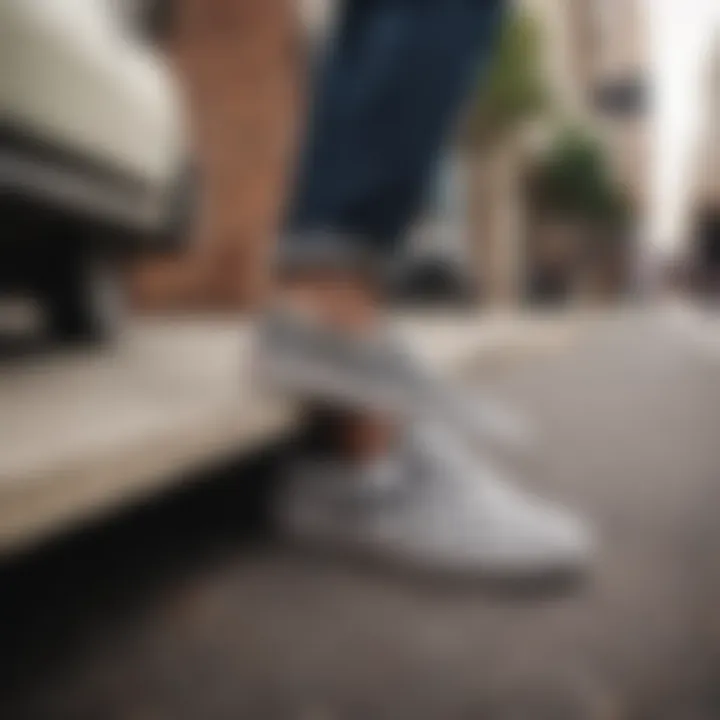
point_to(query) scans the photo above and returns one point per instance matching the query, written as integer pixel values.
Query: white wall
(681, 40)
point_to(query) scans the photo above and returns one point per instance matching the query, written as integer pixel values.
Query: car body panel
(97, 103)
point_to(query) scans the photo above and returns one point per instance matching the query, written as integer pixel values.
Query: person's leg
(341, 300)
(393, 82)
(392, 85)
(388, 94)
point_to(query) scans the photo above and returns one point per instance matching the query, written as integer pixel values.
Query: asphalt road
(189, 609)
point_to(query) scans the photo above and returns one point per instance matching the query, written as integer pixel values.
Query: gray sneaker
(378, 372)
(431, 507)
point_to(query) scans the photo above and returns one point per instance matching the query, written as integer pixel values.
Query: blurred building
(239, 64)
(705, 211)
(708, 191)
(601, 74)
(597, 68)
(594, 60)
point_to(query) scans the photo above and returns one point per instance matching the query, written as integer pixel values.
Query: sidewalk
(83, 434)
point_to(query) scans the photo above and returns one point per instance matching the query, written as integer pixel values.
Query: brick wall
(239, 62)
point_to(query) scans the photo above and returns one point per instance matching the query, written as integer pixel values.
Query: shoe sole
(560, 577)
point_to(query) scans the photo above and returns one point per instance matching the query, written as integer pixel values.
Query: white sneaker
(301, 356)
(431, 506)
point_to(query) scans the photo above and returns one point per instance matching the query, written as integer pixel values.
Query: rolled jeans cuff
(332, 251)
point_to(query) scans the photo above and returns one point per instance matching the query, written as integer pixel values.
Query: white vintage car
(94, 159)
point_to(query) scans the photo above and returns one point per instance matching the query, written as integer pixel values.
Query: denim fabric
(387, 93)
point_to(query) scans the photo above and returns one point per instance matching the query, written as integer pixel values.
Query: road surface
(190, 609)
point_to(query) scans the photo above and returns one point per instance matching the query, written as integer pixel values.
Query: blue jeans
(388, 92)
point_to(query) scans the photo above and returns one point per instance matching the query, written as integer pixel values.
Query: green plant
(573, 180)
(514, 89)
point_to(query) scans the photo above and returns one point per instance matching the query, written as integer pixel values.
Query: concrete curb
(88, 433)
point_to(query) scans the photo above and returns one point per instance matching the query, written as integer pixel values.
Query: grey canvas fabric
(378, 372)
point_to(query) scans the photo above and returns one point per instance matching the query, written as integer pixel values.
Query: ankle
(338, 300)
(355, 436)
